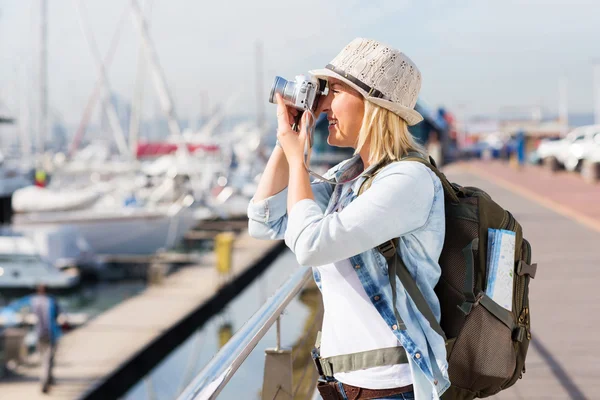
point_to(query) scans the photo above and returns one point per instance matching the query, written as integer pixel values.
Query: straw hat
(383, 75)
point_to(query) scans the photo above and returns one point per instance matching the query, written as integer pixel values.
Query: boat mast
(138, 95)
(89, 107)
(596, 84)
(166, 100)
(111, 112)
(43, 120)
(260, 101)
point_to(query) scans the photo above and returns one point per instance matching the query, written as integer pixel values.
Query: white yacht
(22, 267)
(117, 231)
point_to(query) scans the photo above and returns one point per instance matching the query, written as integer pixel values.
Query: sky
(476, 57)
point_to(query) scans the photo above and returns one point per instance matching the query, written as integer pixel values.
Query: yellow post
(225, 333)
(223, 249)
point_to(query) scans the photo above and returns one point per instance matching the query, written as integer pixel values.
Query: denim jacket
(405, 200)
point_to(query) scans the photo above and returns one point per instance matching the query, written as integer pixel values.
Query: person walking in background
(46, 310)
(520, 141)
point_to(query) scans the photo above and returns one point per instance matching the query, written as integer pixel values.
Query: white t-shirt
(352, 324)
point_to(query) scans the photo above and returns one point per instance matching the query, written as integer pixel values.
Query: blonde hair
(387, 134)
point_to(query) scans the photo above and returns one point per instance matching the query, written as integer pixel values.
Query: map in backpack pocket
(500, 266)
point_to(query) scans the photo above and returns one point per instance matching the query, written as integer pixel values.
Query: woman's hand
(291, 142)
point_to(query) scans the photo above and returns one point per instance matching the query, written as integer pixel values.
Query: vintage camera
(303, 93)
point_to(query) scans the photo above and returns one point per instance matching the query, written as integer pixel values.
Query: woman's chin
(331, 140)
(336, 142)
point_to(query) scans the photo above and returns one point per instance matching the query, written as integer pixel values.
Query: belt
(331, 391)
(358, 393)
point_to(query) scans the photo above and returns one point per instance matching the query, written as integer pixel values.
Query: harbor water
(173, 374)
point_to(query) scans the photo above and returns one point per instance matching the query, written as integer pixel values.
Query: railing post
(277, 381)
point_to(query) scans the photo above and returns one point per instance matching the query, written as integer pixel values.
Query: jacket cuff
(270, 209)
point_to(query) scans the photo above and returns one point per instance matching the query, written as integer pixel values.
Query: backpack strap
(362, 360)
(327, 366)
(468, 290)
(449, 189)
(397, 267)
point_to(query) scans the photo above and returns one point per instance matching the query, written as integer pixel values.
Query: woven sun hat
(383, 75)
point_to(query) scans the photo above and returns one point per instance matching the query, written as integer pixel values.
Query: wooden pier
(108, 355)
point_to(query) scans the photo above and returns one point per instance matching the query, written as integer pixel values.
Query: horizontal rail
(213, 378)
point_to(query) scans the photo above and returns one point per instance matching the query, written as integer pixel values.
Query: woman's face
(345, 109)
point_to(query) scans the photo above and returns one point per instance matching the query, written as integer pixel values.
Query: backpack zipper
(511, 223)
(520, 281)
(526, 282)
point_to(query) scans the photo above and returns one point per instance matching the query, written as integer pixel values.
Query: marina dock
(102, 359)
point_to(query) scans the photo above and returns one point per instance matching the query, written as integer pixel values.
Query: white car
(570, 151)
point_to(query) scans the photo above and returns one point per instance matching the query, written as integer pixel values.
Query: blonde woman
(375, 344)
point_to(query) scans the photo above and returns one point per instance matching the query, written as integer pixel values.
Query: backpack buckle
(518, 334)
(525, 269)
(388, 249)
(468, 304)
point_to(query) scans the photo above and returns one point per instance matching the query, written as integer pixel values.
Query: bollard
(223, 249)
(156, 273)
(591, 171)
(14, 345)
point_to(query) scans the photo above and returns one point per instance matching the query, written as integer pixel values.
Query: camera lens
(285, 88)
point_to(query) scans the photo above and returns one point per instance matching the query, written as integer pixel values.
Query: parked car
(570, 151)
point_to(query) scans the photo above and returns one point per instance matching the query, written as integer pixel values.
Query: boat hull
(135, 232)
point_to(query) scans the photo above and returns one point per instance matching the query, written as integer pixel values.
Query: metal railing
(215, 376)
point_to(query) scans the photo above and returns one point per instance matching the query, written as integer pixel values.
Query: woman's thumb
(306, 124)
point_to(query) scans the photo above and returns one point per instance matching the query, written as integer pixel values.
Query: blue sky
(475, 56)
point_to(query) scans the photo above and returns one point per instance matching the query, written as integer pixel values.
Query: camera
(303, 93)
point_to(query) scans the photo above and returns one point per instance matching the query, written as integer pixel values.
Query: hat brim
(410, 115)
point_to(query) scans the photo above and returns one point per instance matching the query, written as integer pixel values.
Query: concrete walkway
(560, 215)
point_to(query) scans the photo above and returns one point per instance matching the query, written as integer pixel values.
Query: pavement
(560, 215)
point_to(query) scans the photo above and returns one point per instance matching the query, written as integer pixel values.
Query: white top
(352, 324)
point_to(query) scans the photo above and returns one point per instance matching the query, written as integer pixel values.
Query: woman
(372, 93)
